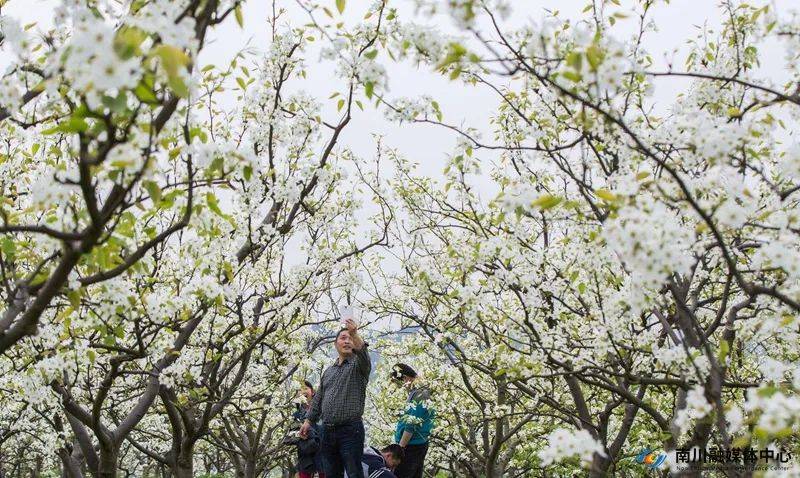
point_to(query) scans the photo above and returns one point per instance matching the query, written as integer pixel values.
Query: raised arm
(352, 327)
(359, 348)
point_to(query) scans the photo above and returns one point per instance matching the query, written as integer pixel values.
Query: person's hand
(304, 429)
(351, 325)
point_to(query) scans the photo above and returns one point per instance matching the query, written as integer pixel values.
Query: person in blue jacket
(415, 424)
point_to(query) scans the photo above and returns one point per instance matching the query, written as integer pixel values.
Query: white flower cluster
(158, 17)
(334, 49)
(563, 444)
(790, 163)
(778, 411)
(278, 57)
(10, 93)
(462, 12)
(50, 189)
(90, 62)
(791, 37)
(670, 355)
(32, 390)
(421, 43)
(351, 64)
(773, 370)
(373, 73)
(780, 252)
(735, 419)
(15, 36)
(713, 138)
(696, 407)
(602, 62)
(126, 158)
(637, 235)
(408, 109)
(737, 192)
(610, 71)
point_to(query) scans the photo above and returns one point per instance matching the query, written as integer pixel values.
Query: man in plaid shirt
(339, 403)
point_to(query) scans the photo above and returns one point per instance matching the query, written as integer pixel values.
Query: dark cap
(400, 370)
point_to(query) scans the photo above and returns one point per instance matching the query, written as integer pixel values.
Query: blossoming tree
(633, 278)
(145, 246)
(604, 275)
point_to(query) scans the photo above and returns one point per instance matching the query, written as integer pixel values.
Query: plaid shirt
(342, 390)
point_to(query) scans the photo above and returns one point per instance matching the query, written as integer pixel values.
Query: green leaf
(173, 59)
(72, 125)
(127, 42)
(546, 201)
(572, 76)
(8, 246)
(455, 52)
(40, 277)
(724, 349)
(213, 204)
(340, 4)
(436, 109)
(594, 55)
(217, 164)
(144, 91)
(339, 105)
(116, 104)
(369, 89)
(228, 270)
(371, 54)
(575, 60)
(606, 195)
(239, 17)
(153, 189)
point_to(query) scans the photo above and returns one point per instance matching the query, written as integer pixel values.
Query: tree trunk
(184, 463)
(250, 467)
(36, 472)
(107, 468)
(599, 467)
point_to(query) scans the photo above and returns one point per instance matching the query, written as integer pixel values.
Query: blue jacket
(417, 418)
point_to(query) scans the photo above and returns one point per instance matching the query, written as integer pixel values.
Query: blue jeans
(341, 449)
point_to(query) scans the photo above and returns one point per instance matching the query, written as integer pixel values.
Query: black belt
(331, 426)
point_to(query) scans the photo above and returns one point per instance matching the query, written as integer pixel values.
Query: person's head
(344, 343)
(403, 374)
(307, 390)
(393, 454)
